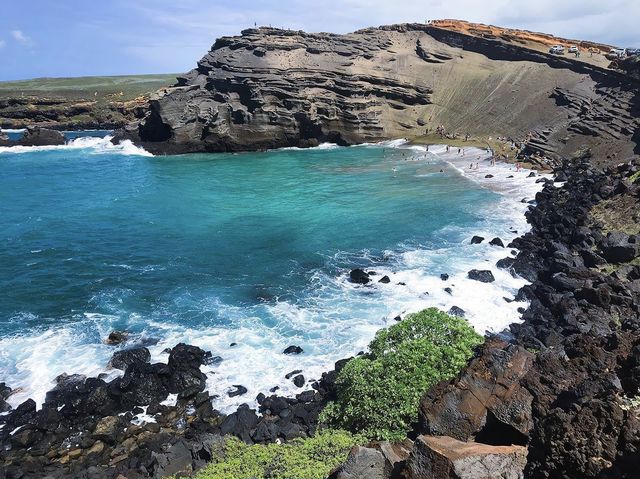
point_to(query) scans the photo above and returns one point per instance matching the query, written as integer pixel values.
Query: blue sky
(111, 37)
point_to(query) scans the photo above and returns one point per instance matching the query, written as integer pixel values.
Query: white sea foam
(93, 145)
(336, 320)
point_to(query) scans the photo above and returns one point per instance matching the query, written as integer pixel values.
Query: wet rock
(488, 176)
(496, 242)
(444, 276)
(385, 280)
(532, 174)
(448, 290)
(293, 350)
(484, 276)
(238, 391)
(456, 311)
(185, 377)
(477, 240)
(36, 136)
(117, 337)
(213, 360)
(359, 276)
(292, 373)
(445, 457)
(299, 380)
(505, 263)
(123, 359)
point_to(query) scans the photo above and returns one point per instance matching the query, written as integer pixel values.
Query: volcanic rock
(484, 276)
(359, 276)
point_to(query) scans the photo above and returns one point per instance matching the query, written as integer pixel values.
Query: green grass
(76, 88)
(378, 394)
(311, 458)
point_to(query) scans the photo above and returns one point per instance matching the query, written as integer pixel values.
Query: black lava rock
(125, 358)
(359, 276)
(496, 242)
(238, 391)
(456, 311)
(293, 350)
(484, 276)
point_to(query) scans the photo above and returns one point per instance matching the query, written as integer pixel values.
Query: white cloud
(20, 37)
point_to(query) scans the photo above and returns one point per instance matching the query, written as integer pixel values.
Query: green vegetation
(379, 394)
(130, 86)
(311, 458)
(635, 177)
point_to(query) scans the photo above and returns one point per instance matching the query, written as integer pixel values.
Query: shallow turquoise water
(251, 248)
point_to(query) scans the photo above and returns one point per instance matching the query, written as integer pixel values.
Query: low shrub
(311, 458)
(378, 394)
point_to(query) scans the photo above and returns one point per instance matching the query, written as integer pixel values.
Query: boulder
(36, 136)
(384, 280)
(477, 240)
(117, 337)
(359, 276)
(496, 242)
(456, 311)
(299, 380)
(619, 247)
(363, 463)
(484, 276)
(238, 391)
(487, 402)
(177, 460)
(444, 276)
(379, 460)
(447, 458)
(109, 429)
(293, 350)
(123, 359)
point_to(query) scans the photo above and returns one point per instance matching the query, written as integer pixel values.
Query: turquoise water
(212, 249)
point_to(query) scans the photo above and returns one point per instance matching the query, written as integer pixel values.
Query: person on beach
(459, 151)
(493, 161)
(471, 166)
(477, 166)
(447, 148)
(517, 166)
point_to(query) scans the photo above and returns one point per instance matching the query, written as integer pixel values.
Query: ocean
(241, 254)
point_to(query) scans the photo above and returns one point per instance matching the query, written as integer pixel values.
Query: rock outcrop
(35, 136)
(567, 385)
(443, 457)
(272, 88)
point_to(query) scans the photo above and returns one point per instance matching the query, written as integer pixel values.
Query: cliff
(271, 88)
(77, 103)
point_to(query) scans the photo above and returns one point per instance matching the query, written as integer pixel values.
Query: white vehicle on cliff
(557, 50)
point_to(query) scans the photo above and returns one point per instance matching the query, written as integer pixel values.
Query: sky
(61, 38)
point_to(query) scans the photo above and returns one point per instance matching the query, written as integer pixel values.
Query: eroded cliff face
(271, 88)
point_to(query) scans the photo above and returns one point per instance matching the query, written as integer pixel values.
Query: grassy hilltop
(75, 103)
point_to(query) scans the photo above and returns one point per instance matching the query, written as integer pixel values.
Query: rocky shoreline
(565, 384)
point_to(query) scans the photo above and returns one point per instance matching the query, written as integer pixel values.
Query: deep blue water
(251, 248)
